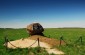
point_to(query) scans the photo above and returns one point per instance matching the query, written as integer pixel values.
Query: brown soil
(50, 41)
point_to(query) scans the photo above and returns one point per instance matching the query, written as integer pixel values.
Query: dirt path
(25, 43)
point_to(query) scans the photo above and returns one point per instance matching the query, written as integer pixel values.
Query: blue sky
(49, 13)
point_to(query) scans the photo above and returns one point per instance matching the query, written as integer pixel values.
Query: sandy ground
(26, 43)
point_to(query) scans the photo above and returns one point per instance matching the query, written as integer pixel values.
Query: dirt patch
(26, 43)
(50, 41)
(45, 42)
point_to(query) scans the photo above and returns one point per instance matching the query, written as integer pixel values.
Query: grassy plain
(70, 35)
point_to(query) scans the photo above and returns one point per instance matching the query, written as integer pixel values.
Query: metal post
(38, 45)
(6, 42)
(61, 40)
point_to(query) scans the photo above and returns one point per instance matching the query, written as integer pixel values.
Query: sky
(49, 13)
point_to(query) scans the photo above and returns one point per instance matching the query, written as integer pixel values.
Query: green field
(70, 35)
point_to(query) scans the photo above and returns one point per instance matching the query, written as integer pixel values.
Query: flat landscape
(75, 44)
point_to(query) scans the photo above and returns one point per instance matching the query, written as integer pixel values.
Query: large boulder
(35, 29)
